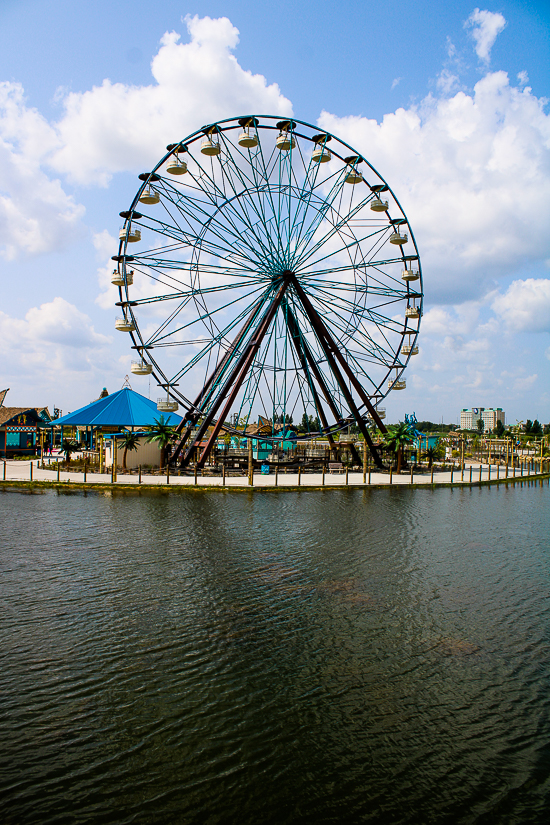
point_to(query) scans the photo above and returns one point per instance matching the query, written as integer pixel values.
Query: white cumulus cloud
(525, 306)
(36, 214)
(115, 127)
(455, 163)
(52, 343)
(485, 27)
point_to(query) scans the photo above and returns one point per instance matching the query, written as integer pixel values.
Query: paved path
(20, 471)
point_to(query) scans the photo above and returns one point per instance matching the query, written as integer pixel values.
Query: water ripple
(359, 656)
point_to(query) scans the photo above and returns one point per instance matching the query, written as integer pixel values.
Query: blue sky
(446, 101)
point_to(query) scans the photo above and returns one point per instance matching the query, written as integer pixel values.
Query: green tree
(130, 441)
(162, 433)
(68, 447)
(499, 429)
(480, 424)
(396, 438)
(432, 453)
(536, 427)
(528, 427)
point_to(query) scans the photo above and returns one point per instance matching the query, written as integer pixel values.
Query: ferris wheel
(265, 268)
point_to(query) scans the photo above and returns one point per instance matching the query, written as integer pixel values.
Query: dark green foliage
(396, 438)
(69, 447)
(499, 429)
(430, 427)
(163, 434)
(129, 441)
(309, 424)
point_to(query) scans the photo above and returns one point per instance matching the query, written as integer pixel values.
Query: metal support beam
(195, 413)
(330, 350)
(234, 381)
(309, 365)
(308, 306)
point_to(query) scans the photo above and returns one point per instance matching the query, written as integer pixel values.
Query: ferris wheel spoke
(247, 182)
(205, 216)
(327, 205)
(335, 229)
(206, 315)
(241, 216)
(344, 248)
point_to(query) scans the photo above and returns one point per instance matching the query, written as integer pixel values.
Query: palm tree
(163, 434)
(432, 453)
(130, 441)
(68, 447)
(396, 437)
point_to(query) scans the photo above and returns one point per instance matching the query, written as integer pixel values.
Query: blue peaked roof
(124, 408)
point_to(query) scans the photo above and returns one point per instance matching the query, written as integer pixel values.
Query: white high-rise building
(489, 416)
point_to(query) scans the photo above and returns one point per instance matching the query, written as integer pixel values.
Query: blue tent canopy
(124, 408)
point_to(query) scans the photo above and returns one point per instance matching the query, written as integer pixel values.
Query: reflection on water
(340, 656)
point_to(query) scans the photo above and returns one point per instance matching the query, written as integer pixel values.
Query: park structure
(266, 269)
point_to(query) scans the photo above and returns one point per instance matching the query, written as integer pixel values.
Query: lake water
(378, 656)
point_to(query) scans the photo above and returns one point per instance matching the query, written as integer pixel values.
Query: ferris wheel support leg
(330, 349)
(194, 414)
(313, 314)
(355, 455)
(309, 365)
(234, 381)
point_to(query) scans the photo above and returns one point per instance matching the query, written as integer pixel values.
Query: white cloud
(485, 26)
(396, 82)
(455, 163)
(36, 215)
(525, 306)
(54, 345)
(525, 383)
(523, 78)
(115, 127)
(53, 323)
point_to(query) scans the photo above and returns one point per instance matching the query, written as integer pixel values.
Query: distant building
(489, 416)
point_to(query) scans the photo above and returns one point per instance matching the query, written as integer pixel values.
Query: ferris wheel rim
(228, 125)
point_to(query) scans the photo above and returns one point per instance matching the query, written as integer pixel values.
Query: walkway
(21, 471)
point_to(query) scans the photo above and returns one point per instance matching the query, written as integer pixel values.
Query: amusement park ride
(265, 268)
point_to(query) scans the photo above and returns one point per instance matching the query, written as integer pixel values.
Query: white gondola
(117, 278)
(124, 324)
(208, 147)
(378, 205)
(410, 275)
(285, 141)
(167, 405)
(398, 384)
(176, 166)
(398, 239)
(381, 412)
(149, 196)
(134, 235)
(408, 349)
(321, 154)
(354, 176)
(412, 312)
(247, 140)
(141, 368)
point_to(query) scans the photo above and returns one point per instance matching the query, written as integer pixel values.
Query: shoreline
(122, 487)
